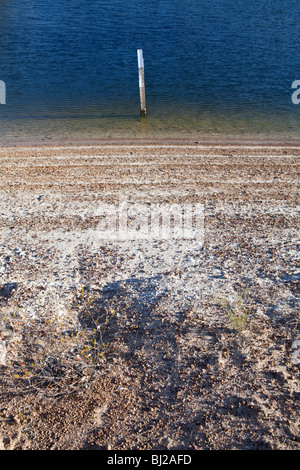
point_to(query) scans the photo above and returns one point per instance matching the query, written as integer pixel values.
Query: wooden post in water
(141, 81)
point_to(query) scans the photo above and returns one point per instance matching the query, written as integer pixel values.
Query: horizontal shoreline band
(167, 139)
(142, 146)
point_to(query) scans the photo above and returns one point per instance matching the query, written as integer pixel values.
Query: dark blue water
(211, 66)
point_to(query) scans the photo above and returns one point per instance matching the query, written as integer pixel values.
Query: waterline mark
(150, 221)
(2, 92)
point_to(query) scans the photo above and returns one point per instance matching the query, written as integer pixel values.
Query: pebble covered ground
(183, 370)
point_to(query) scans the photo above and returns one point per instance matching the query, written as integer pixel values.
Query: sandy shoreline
(180, 376)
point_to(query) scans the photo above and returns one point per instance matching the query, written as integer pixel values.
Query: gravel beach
(204, 340)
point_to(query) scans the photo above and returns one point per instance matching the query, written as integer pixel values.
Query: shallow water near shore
(184, 128)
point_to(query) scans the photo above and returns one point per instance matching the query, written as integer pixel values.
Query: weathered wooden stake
(141, 81)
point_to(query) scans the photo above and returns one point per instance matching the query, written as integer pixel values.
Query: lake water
(212, 68)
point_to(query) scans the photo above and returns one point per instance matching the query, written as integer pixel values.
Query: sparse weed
(238, 311)
(58, 355)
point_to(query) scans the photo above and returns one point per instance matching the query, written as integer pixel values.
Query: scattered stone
(2, 353)
(296, 351)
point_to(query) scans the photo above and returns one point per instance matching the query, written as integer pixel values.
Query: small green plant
(24, 417)
(238, 311)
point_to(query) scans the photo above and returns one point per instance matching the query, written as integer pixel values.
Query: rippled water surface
(212, 67)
